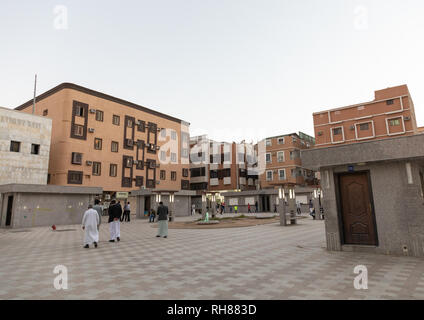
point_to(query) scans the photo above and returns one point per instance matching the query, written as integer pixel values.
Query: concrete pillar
(171, 207)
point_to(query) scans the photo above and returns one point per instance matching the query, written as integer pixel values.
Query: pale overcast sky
(234, 69)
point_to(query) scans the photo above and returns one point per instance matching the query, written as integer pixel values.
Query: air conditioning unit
(152, 147)
(135, 162)
(147, 145)
(152, 165)
(352, 127)
(159, 129)
(91, 130)
(157, 147)
(407, 118)
(320, 133)
(92, 110)
(89, 163)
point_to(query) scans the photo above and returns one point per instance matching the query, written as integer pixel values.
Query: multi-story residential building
(390, 114)
(221, 166)
(102, 141)
(283, 164)
(24, 148)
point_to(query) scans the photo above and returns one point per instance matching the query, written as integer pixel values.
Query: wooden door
(357, 212)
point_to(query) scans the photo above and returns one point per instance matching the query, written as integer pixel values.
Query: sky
(234, 69)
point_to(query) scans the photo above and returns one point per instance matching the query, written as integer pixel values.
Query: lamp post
(282, 206)
(171, 207)
(213, 205)
(292, 204)
(203, 206)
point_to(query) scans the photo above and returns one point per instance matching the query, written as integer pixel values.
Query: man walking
(193, 209)
(99, 209)
(256, 206)
(115, 213)
(90, 224)
(163, 220)
(298, 207)
(127, 212)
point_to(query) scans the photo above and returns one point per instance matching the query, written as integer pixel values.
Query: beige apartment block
(221, 166)
(283, 163)
(390, 114)
(24, 147)
(102, 141)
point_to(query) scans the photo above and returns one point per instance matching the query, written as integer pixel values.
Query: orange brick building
(390, 114)
(283, 164)
(102, 141)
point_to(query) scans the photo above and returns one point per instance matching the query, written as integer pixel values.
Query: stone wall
(24, 167)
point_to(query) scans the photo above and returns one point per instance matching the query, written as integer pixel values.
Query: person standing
(127, 212)
(90, 224)
(115, 213)
(248, 208)
(163, 220)
(311, 209)
(235, 209)
(193, 209)
(298, 207)
(256, 206)
(99, 208)
(152, 215)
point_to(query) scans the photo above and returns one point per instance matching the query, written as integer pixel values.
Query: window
(282, 174)
(128, 162)
(138, 181)
(141, 126)
(268, 158)
(15, 146)
(99, 115)
(185, 184)
(268, 142)
(294, 139)
(364, 126)
(162, 155)
(163, 175)
(75, 177)
(269, 175)
(185, 172)
(173, 175)
(113, 170)
(294, 154)
(280, 156)
(129, 123)
(173, 135)
(337, 131)
(281, 140)
(163, 133)
(173, 157)
(198, 172)
(78, 130)
(97, 144)
(79, 111)
(35, 148)
(184, 153)
(213, 174)
(97, 168)
(45, 112)
(115, 120)
(390, 102)
(76, 158)
(394, 122)
(114, 146)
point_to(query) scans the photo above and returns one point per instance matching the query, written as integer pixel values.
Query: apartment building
(390, 114)
(103, 141)
(283, 163)
(221, 166)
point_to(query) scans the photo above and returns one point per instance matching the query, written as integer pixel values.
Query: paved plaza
(260, 262)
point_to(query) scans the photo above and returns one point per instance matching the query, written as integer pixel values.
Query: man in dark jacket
(115, 212)
(163, 220)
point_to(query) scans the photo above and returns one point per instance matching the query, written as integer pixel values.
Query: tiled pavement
(261, 262)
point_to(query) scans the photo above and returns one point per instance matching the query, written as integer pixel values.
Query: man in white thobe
(90, 223)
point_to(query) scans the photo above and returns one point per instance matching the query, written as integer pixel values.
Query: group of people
(92, 220)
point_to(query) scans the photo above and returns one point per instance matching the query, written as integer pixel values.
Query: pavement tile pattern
(259, 262)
